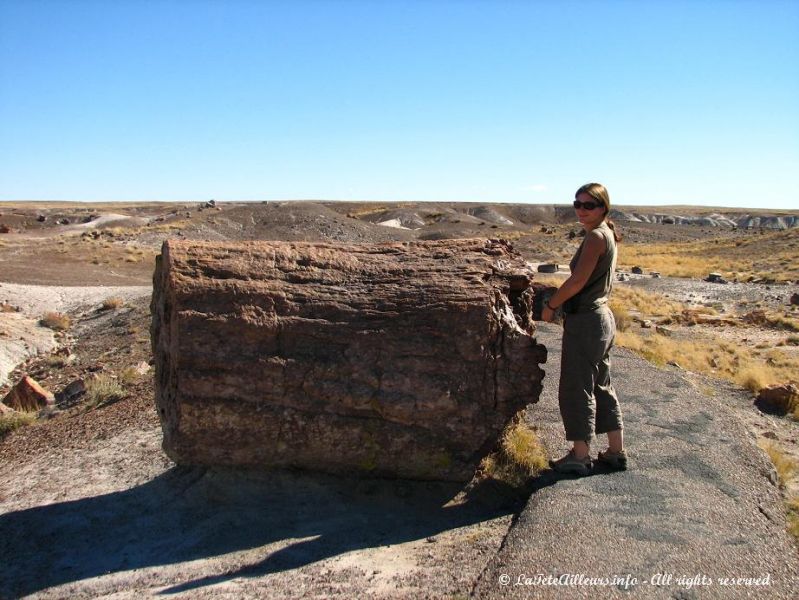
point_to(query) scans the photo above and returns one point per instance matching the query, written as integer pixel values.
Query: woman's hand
(547, 314)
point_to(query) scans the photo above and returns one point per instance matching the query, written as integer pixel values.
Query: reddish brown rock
(404, 359)
(27, 395)
(778, 399)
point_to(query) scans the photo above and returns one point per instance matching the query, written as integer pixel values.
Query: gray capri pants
(588, 402)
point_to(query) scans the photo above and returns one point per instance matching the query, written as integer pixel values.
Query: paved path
(698, 504)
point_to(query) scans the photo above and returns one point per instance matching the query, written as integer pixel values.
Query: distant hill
(747, 221)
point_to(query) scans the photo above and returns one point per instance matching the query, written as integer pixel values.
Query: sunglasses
(587, 205)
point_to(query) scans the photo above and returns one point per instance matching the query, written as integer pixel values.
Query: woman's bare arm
(593, 248)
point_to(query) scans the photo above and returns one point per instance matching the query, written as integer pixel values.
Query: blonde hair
(600, 193)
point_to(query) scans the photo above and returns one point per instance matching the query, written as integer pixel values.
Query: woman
(588, 402)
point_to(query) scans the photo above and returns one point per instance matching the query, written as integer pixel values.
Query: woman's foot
(571, 464)
(614, 460)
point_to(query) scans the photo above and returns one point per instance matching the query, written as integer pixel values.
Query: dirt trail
(700, 498)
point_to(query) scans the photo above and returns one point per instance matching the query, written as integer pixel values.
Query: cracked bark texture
(401, 360)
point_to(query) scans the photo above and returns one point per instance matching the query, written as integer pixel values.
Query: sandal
(571, 464)
(615, 460)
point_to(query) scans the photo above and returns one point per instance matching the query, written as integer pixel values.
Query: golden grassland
(104, 250)
(749, 368)
(771, 255)
(646, 303)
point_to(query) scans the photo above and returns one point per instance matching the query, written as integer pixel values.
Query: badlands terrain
(75, 282)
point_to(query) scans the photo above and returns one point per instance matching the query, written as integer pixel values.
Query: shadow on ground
(188, 514)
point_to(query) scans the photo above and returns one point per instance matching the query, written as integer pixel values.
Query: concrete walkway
(697, 510)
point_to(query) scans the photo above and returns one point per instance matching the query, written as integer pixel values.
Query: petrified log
(28, 395)
(404, 359)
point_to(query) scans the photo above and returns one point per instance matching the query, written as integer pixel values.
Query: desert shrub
(56, 361)
(11, 421)
(113, 303)
(754, 378)
(103, 389)
(130, 375)
(56, 321)
(519, 457)
(522, 447)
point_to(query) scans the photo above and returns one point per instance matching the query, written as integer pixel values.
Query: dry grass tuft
(11, 421)
(754, 378)
(791, 340)
(549, 279)
(103, 389)
(113, 303)
(787, 469)
(56, 321)
(620, 314)
(130, 375)
(56, 361)
(519, 457)
(521, 446)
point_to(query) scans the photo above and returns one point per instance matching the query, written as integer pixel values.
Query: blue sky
(665, 102)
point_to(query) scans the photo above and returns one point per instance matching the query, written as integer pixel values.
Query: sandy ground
(118, 519)
(20, 338)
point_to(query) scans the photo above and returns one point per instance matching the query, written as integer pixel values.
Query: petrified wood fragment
(402, 359)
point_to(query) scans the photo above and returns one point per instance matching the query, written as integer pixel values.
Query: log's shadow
(190, 513)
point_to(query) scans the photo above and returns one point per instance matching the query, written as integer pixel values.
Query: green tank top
(597, 289)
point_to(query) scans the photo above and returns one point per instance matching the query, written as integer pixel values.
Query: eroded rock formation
(403, 359)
